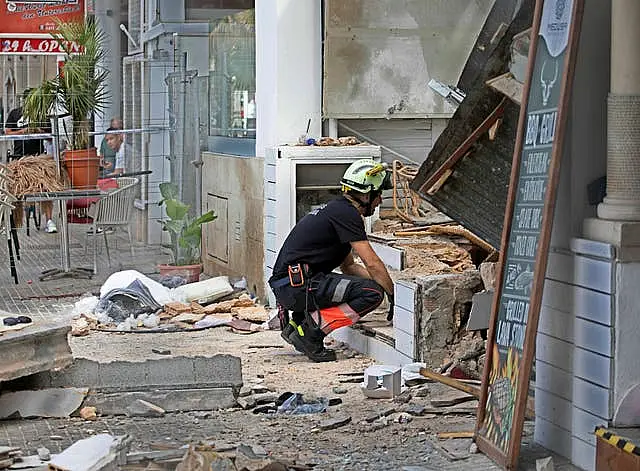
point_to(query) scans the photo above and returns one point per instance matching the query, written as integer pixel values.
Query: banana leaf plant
(79, 89)
(184, 230)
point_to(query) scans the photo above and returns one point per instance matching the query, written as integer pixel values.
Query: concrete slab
(36, 348)
(60, 402)
(177, 400)
(219, 371)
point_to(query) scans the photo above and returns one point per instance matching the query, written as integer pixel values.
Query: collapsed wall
(445, 306)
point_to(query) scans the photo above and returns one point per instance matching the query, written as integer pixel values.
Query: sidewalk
(53, 299)
(266, 362)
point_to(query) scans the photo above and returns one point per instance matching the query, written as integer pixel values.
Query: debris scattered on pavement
(8, 456)
(451, 435)
(142, 408)
(89, 413)
(334, 423)
(545, 464)
(97, 452)
(52, 402)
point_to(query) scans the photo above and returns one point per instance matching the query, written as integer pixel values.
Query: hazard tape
(617, 441)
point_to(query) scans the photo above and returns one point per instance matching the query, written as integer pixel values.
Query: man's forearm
(355, 269)
(380, 275)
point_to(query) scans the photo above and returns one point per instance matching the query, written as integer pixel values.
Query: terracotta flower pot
(191, 273)
(83, 167)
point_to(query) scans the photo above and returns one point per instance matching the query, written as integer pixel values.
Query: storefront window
(232, 77)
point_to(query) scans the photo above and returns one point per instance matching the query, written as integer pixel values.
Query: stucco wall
(233, 244)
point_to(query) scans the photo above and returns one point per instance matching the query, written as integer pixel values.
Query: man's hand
(391, 306)
(374, 265)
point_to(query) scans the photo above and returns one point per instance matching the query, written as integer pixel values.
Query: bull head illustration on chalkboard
(547, 85)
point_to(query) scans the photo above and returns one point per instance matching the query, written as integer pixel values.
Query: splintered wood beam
(461, 151)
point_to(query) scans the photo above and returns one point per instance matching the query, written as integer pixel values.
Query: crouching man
(303, 280)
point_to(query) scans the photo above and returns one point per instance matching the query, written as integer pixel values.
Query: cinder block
(218, 370)
(179, 371)
(270, 172)
(593, 274)
(592, 367)
(583, 454)
(270, 258)
(560, 267)
(555, 352)
(593, 248)
(381, 352)
(172, 400)
(594, 337)
(591, 398)
(557, 295)
(270, 190)
(556, 324)
(405, 293)
(554, 380)
(270, 226)
(552, 437)
(592, 305)
(583, 425)
(554, 409)
(119, 375)
(404, 320)
(81, 373)
(404, 343)
(391, 256)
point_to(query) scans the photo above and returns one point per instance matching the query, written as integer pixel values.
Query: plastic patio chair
(113, 211)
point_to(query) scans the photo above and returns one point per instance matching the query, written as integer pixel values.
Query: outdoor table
(62, 197)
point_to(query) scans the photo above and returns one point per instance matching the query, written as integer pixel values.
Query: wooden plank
(448, 435)
(508, 86)
(527, 229)
(454, 383)
(463, 148)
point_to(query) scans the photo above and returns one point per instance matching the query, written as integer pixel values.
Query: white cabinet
(298, 179)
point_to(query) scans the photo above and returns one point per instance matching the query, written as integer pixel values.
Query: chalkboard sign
(527, 229)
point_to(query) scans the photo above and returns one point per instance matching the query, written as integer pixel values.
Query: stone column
(622, 202)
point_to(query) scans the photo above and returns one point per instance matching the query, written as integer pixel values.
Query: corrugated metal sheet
(379, 55)
(475, 194)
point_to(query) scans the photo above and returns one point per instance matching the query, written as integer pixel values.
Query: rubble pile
(10, 456)
(241, 313)
(449, 265)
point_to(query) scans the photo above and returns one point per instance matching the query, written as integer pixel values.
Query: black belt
(280, 282)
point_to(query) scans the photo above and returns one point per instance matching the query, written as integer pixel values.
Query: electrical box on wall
(299, 179)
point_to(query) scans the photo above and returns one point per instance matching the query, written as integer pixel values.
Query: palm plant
(80, 87)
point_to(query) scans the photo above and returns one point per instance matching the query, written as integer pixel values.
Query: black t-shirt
(322, 238)
(22, 148)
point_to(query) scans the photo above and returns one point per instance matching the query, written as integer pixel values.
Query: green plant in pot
(185, 231)
(73, 96)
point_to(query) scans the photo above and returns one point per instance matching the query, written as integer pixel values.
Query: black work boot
(290, 325)
(308, 339)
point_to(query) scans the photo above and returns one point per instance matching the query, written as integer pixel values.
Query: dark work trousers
(333, 300)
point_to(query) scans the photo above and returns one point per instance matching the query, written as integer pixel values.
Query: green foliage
(80, 88)
(185, 230)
